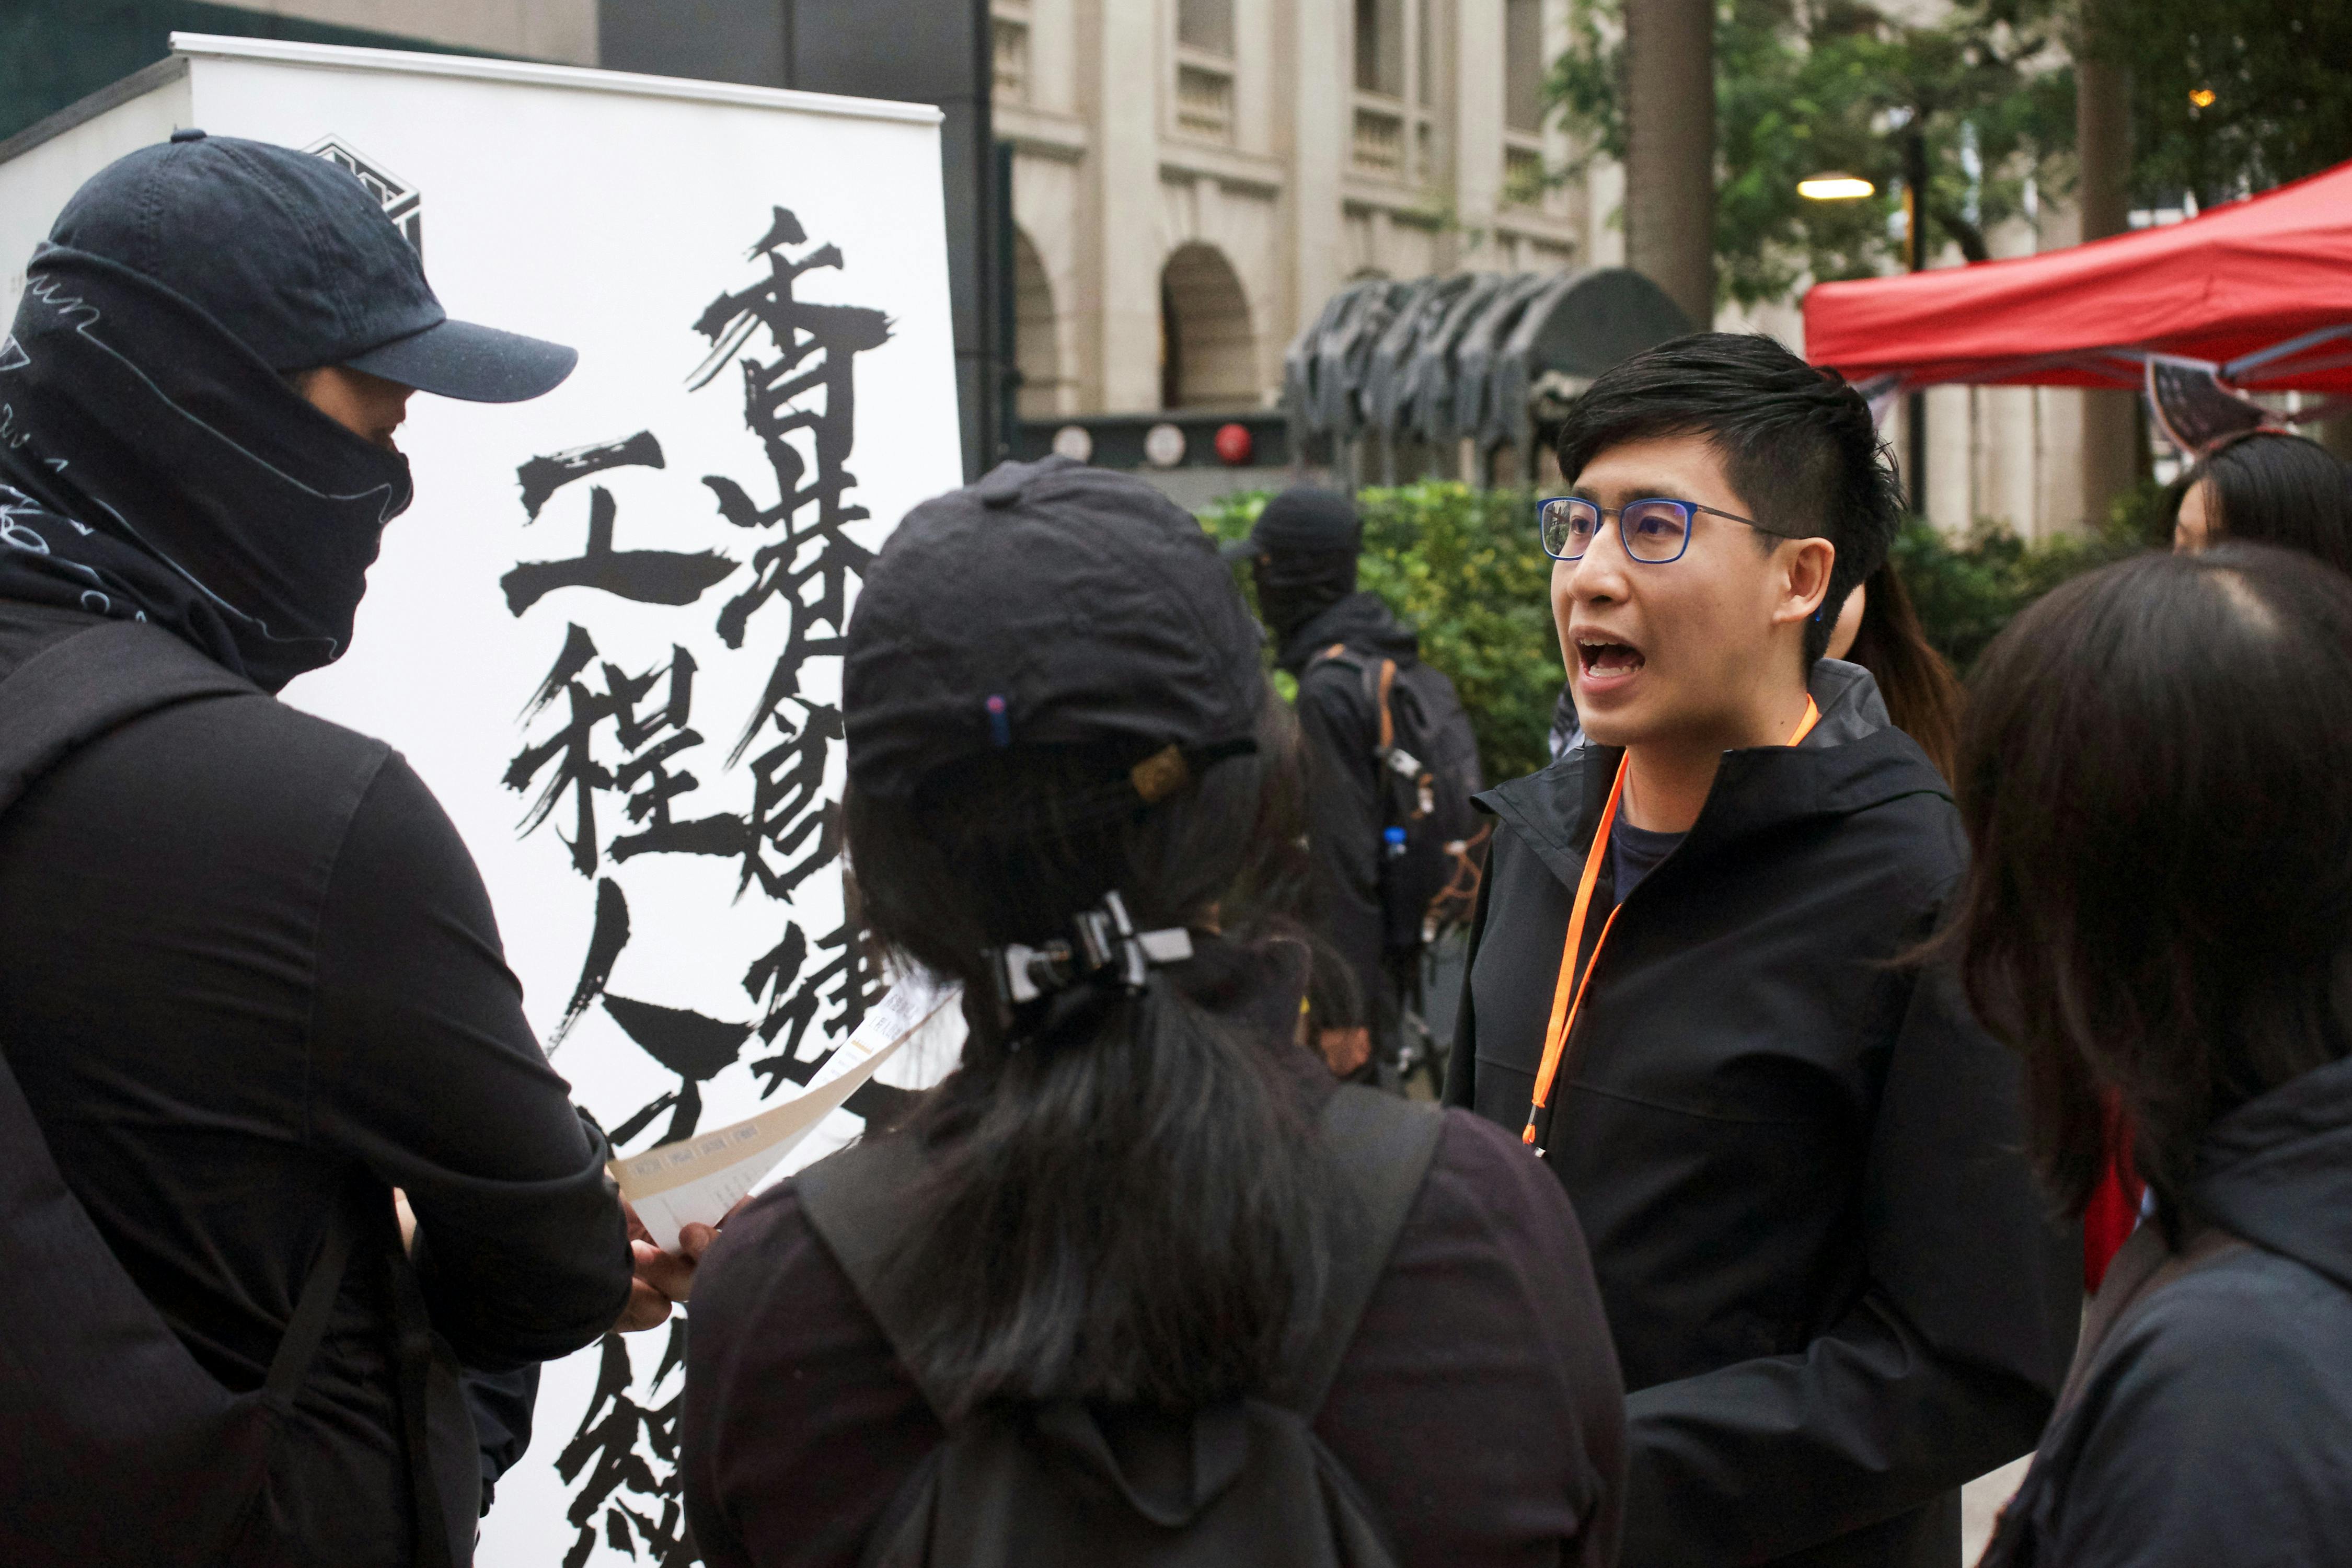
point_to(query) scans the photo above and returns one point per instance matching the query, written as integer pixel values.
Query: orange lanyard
(1567, 993)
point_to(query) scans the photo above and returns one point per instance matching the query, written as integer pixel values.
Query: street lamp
(1835, 188)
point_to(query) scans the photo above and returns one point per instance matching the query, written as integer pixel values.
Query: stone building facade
(1193, 178)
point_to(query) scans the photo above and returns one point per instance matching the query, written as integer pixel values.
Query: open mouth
(1602, 659)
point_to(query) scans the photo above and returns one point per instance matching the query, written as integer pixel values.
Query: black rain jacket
(246, 959)
(1834, 1290)
(1340, 725)
(2215, 1430)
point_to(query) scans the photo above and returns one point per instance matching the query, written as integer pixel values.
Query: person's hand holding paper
(681, 1193)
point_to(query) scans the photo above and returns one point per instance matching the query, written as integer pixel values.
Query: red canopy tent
(2260, 290)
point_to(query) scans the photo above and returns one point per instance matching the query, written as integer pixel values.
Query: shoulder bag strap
(91, 681)
(316, 1305)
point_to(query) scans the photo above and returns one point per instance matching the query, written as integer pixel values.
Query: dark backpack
(1244, 1484)
(1434, 849)
(119, 1450)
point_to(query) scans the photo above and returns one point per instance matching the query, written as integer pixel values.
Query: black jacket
(1833, 1293)
(1340, 725)
(2215, 1429)
(246, 960)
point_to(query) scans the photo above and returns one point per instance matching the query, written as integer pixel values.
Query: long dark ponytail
(1126, 1201)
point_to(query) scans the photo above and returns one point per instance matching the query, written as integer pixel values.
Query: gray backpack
(1243, 1485)
(119, 1450)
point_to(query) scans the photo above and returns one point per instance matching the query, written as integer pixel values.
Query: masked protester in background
(253, 981)
(1138, 1282)
(1834, 1296)
(2159, 919)
(1373, 717)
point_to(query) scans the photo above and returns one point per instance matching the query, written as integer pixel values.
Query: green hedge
(1464, 567)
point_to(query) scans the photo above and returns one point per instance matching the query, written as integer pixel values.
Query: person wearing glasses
(1834, 1293)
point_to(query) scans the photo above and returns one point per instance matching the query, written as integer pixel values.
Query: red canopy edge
(2261, 289)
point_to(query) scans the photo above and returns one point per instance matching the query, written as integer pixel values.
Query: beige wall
(562, 30)
(1133, 149)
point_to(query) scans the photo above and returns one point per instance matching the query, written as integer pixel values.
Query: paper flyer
(699, 1179)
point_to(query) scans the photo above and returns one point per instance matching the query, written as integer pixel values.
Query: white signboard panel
(607, 634)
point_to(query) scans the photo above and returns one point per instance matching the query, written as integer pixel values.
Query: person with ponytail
(1124, 1277)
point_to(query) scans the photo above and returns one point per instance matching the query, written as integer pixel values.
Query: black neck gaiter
(152, 468)
(1295, 587)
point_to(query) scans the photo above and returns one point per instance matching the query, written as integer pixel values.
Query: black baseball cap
(293, 255)
(1050, 604)
(1303, 521)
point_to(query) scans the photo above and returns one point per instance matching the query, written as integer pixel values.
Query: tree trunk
(1670, 150)
(2111, 437)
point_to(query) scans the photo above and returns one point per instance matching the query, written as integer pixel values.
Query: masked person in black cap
(253, 981)
(1390, 764)
(1137, 1274)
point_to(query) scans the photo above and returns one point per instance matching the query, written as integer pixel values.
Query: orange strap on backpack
(1567, 992)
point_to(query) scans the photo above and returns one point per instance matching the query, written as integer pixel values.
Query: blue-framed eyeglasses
(1655, 530)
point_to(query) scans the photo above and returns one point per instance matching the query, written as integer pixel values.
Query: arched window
(1208, 350)
(1036, 332)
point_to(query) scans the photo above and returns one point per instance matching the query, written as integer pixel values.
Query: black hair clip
(1105, 948)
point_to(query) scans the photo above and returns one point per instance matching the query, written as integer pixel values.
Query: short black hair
(2272, 487)
(2158, 911)
(1798, 442)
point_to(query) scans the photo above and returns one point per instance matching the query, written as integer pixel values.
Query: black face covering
(1295, 587)
(152, 468)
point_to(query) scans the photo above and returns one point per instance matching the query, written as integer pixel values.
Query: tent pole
(1914, 237)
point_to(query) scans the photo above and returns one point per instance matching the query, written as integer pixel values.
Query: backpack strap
(857, 1200)
(90, 681)
(2137, 1273)
(1380, 1144)
(1378, 679)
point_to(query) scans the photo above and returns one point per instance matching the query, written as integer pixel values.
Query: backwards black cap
(1303, 521)
(293, 258)
(1051, 603)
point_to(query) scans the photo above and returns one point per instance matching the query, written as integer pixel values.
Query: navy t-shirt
(1634, 853)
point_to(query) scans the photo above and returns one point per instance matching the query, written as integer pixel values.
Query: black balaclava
(154, 468)
(1303, 556)
(1295, 587)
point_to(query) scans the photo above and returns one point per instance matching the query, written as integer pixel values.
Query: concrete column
(1320, 132)
(1670, 149)
(1126, 190)
(2102, 131)
(1477, 101)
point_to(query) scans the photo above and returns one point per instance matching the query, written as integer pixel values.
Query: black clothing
(249, 958)
(1635, 852)
(1477, 1406)
(2215, 1429)
(1833, 1293)
(1293, 588)
(153, 466)
(1340, 726)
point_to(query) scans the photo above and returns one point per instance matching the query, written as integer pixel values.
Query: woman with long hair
(1879, 629)
(2266, 487)
(2158, 918)
(1131, 1220)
